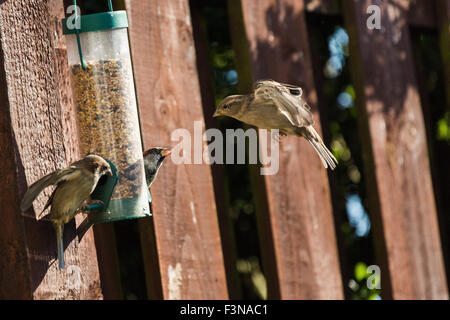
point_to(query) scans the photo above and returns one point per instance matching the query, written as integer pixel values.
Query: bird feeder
(107, 116)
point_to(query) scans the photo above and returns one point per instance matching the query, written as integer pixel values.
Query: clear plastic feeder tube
(108, 123)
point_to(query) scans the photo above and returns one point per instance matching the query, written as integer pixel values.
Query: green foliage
(359, 284)
(360, 271)
(241, 210)
(337, 99)
(443, 128)
(250, 269)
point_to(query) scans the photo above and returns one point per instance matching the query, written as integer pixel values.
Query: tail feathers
(325, 155)
(59, 229)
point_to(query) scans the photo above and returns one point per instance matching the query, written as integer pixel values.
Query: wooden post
(185, 216)
(271, 41)
(394, 141)
(37, 135)
(217, 170)
(108, 261)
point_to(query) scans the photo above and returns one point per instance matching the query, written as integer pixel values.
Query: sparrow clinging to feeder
(274, 105)
(74, 185)
(153, 159)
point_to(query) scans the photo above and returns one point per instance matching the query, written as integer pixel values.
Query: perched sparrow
(153, 159)
(274, 105)
(73, 186)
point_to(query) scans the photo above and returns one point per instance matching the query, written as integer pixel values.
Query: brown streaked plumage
(74, 185)
(153, 159)
(274, 105)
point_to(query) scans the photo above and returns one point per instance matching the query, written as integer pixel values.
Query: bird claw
(86, 204)
(96, 202)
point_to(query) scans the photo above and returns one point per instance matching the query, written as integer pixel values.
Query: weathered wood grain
(394, 141)
(274, 44)
(185, 216)
(37, 137)
(217, 170)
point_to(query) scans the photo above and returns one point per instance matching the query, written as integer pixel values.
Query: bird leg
(88, 203)
(92, 201)
(59, 230)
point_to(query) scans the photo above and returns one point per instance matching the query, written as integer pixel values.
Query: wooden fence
(187, 246)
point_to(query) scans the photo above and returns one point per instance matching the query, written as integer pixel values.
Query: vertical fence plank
(185, 218)
(218, 171)
(398, 177)
(299, 206)
(13, 277)
(37, 136)
(108, 261)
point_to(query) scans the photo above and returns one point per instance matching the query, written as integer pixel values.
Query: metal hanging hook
(80, 50)
(110, 7)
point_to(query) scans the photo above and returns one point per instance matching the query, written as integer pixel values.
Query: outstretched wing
(287, 98)
(53, 178)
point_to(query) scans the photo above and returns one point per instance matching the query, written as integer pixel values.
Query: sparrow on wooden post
(274, 105)
(74, 185)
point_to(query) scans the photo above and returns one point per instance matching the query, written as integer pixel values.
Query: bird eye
(104, 168)
(226, 106)
(295, 92)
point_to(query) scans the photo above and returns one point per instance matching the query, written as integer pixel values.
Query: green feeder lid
(98, 22)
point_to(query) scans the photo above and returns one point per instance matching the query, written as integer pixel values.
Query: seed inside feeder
(107, 119)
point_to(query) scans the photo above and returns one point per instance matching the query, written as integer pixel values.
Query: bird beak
(216, 114)
(109, 172)
(166, 153)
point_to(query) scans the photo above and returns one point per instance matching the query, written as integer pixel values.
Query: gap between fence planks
(36, 137)
(299, 219)
(444, 34)
(443, 8)
(395, 151)
(185, 216)
(421, 13)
